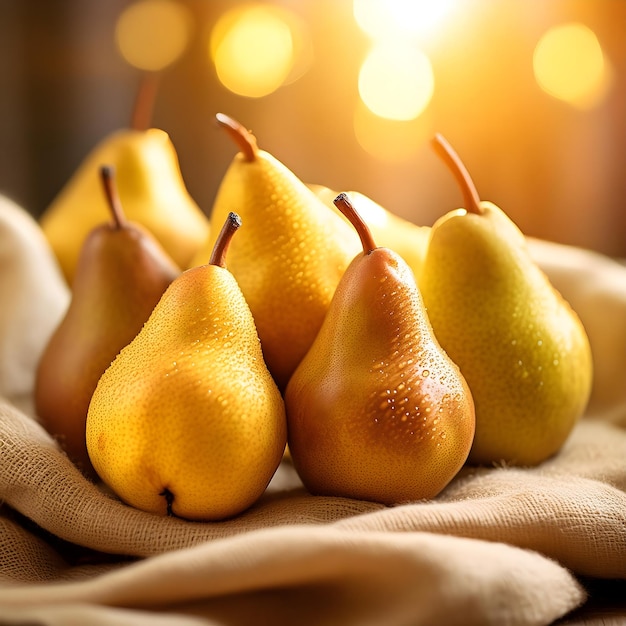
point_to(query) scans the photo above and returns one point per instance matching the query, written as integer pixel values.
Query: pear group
(378, 356)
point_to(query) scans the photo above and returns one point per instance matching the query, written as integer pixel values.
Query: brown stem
(144, 101)
(231, 225)
(452, 159)
(107, 175)
(342, 202)
(244, 139)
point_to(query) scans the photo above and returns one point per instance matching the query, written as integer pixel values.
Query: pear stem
(452, 159)
(244, 139)
(107, 175)
(342, 202)
(231, 225)
(144, 101)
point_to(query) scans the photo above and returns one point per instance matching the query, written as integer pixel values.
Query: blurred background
(346, 93)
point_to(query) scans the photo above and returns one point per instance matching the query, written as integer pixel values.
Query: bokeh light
(569, 64)
(257, 48)
(152, 34)
(396, 81)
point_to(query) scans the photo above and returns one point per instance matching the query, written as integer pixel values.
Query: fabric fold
(376, 577)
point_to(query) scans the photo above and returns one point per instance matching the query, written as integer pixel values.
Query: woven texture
(501, 545)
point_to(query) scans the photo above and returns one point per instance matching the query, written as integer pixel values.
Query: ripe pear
(291, 255)
(388, 229)
(520, 346)
(150, 185)
(376, 410)
(34, 297)
(187, 420)
(121, 275)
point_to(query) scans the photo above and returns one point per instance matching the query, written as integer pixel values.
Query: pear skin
(121, 275)
(406, 238)
(376, 410)
(291, 255)
(151, 187)
(187, 420)
(520, 346)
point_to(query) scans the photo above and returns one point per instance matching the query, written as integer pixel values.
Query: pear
(150, 185)
(406, 238)
(291, 254)
(122, 273)
(520, 346)
(34, 297)
(376, 410)
(187, 420)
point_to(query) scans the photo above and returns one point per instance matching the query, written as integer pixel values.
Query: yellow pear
(291, 255)
(187, 420)
(121, 275)
(388, 229)
(376, 410)
(520, 346)
(150, 185)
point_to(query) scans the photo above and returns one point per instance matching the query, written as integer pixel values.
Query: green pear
(150, 185)
(34, 297)
(121, 275)
(187, 420)
(389, 230)
(520, 346)
(291, 255)
(376, 410)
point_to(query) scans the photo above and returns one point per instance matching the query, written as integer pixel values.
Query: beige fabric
(501, 546)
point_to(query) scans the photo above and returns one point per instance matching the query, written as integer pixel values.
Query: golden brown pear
(376, 410)
(150, 185)
(187, 420)
(122, 273)
(520, 346)
(289, 257)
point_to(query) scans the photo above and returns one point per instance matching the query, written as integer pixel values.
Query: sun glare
(396, 81)
(383, 18)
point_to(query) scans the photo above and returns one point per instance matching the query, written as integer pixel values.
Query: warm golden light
(381, 19)
(256, 48)
(569, 64)
(152, 34)
(396, 81)
(389, 140)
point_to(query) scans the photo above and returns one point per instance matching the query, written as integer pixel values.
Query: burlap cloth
(499, 546)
